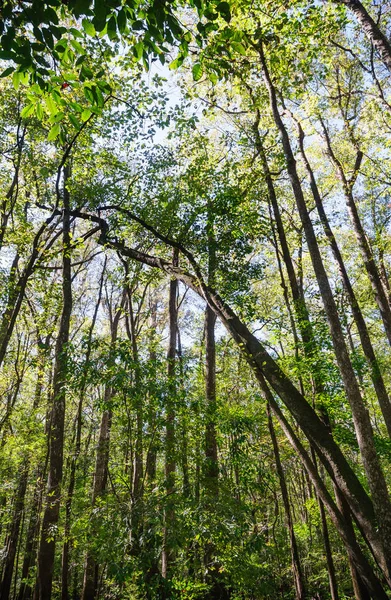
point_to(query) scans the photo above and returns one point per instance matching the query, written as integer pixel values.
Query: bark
(296, 565)
(359, 588)
(56, 434)
(184, 444)
(361, 419)
(371, 29)
(329, 556)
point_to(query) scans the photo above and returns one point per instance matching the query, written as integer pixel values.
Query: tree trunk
(371, 29)
(56, 434)
(137, 483)
(376, 376)
(361, 419)
(296, 565)
(152, 449)
(211, 470)
(90, 578)
(170, 462)
(381, 295)
(353, 549)
(75, 457)
(13, 537)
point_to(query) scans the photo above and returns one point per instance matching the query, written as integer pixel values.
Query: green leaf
(7, 72)
(78, 47)
(88, 27)
(7, 55)
(112, 28)
(39, 111)
(51, 105)
(16, 80)
(86, 73)
(74, 121)
(138, 50)
(76, 33)
(27, 111)
(225, 11)
(197, 71)
(85, 115)
(54, 132)
(121, 20)
(176, 63)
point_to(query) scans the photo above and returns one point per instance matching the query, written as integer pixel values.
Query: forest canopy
(195, 300)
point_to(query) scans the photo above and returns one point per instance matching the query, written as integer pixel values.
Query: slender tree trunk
(170, 461)
(13, 537)
(75, 457)
(56, 434)
(296, 565)
(138, 467)
(184, 444)
(211, 471)
(90, 578)
(371, 29)
(359, 588)
(152, 449)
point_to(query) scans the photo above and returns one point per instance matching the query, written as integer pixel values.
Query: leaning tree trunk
(354, 551)
(361, 419)
(381, 295)
(371, 29)
(304, 325)
(376, 376)
(263, 364)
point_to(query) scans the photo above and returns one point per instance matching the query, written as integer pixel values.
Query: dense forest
(195, 299)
